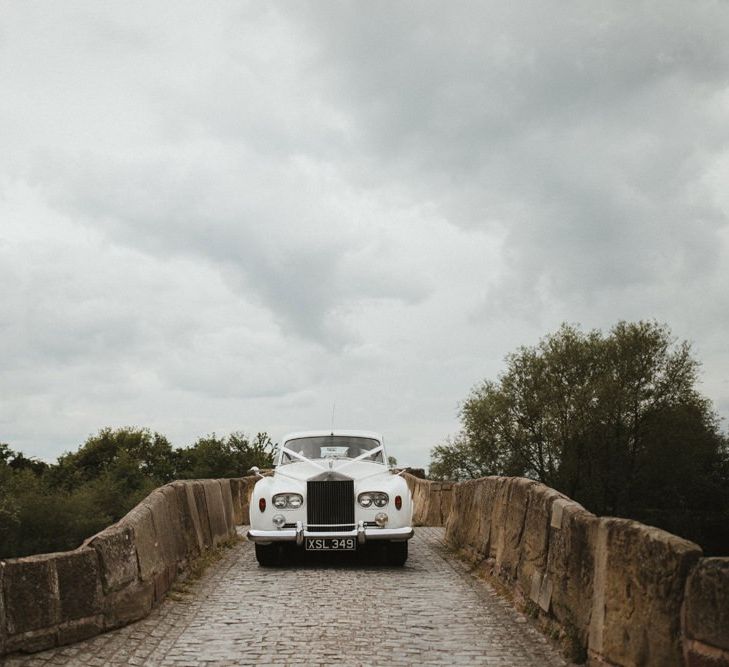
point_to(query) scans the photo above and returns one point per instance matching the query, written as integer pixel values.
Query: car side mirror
(256, 471)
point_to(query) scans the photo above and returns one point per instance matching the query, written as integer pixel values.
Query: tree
(55, 507)
(9, 519)
(149, 454)
(233, 456)
(459, 459)
(614, 421)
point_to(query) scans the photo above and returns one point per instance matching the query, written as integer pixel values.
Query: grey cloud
(260, 208)
(255, 222)
(585, 117)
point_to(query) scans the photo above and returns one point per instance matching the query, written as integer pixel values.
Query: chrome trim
(267, 536)
(362, 534)
(395, 534)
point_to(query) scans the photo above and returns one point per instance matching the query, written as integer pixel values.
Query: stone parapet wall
(623, 592)
(706, 614)
(117, 576)
(431, 500)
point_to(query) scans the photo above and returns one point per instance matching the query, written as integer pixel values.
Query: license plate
(331, 544)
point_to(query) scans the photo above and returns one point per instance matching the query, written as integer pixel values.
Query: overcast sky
(231, 215)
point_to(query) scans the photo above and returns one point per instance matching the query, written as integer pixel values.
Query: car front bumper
(363, 534)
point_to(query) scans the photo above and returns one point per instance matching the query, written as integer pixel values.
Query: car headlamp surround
(369, 499)
(287, 501)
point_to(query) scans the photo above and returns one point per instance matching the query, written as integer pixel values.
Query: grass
(181, 589)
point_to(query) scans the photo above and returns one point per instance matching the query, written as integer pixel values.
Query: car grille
(330, 505)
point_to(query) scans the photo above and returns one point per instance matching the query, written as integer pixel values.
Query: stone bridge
(507, 572)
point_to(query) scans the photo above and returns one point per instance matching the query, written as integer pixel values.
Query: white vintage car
(331, 491)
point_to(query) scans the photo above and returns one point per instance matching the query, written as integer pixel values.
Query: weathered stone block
(697, 654)
(544, 600)
(246, 493)
(236, 486)
(202, 511)
(515, 499)
(707, 603)
(498, 497)
(469, 523)
(76, 631)
(227, 506)
(128, 605)
(178, 541)
(455, 527)
(117, 556)
(570, 565)
(31, 594)
(438, 497)
(33, 641)
(410, 480)
(535, 540)
(162, 505)
(431, 510)
(640, 578)
(216, 511)
(446, 502)
(420, 490)
(158, 504)
(189, 519)
(150, 553)
(79, 584)
(162, 582)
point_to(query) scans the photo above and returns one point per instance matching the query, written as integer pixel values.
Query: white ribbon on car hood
(376, 450)
(301, 457)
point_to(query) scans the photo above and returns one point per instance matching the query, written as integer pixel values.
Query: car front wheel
(267, 555)
(397, 553)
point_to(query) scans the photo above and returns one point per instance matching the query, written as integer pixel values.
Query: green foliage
(55, 507)
(614, 421)
(50, 520)
(134, 453)
(225, 457)
(9, 515)
(458, 459)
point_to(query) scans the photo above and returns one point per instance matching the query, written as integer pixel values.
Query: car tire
(397, 553)
(267, 555)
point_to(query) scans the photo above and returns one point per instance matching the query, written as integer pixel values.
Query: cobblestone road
(431, 612)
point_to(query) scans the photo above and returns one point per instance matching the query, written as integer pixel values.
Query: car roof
(344, 432)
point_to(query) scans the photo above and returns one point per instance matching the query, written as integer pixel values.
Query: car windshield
(331, 447)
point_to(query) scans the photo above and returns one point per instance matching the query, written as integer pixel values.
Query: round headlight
(279, 501)
(278, 520)
(376, 498)
(287, 501)
(381, 519)
(380, 499)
